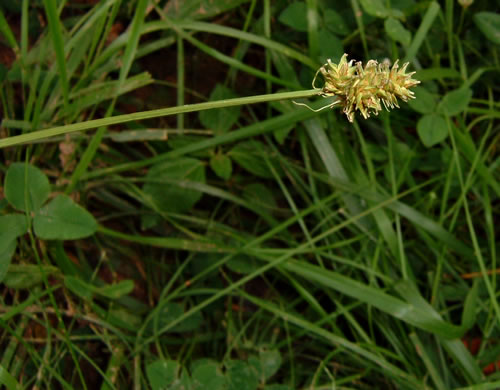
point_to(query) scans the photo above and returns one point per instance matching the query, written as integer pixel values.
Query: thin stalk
(82, 126)
(180, 80)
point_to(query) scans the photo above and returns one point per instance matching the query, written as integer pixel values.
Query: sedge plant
(355, 88)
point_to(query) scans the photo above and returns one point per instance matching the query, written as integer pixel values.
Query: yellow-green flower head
(366, 89)
(465, 3)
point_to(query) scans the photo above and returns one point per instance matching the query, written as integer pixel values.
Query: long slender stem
(41, 134)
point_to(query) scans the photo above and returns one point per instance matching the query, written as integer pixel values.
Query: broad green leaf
(25, 276)
(424, 101)
(63, 219)
(248, 154)
(220, 121)
(149, 220)
(169, 312)
(242, 264)
(377, 8)
(489, 24)
(336, 23)
(20, 175)
(260, 195)
(397, 31)
(164, 184)
(455, 102)
(295, 16)
(11, 227)
(331, 46)
(167, 375)
(7, 250)
(267, 363)
(270, 361)
(221, 165)
(241, 376)
(206, 374)
(432, 129)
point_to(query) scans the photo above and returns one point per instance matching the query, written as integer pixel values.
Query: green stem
(60, 130)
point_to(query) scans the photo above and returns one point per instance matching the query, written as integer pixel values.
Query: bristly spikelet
(366, 89)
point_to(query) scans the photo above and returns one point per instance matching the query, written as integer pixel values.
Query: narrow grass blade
(8, 380)
(7, 32)
(128, 57)
(81, 126)
(167, 242)
(429, 364)
(373, 296)
(333, 165)
(495, 385)
(464, 358)
(335, 340)
(55, 29)
(422, 31)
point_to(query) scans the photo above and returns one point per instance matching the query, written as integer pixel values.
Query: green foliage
(11, 227)
(455, 102)
(170, 312)
(220, 121)
(378, 9)
(222, 166)
(86, 290)
(336, 23)
(164, 184)
(424, 102)
(241, 375)
(60, 219)
(489, 24)
(167, 375)
(242, 264)
(260, 194)
(249, 155)
(63, 219)
(27, 276)
(432, 129)
(313, 253)
(395, 29)
(295, 16)
(26, 187)
(206, 374)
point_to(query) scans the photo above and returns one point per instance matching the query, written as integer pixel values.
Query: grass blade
(56, 34)
(422, 31)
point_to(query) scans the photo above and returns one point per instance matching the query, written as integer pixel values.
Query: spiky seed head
(367, 88)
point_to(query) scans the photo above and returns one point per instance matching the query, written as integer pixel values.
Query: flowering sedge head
(367, 88)
(465, 3)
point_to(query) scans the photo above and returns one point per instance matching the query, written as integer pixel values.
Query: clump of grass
(251, 247)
